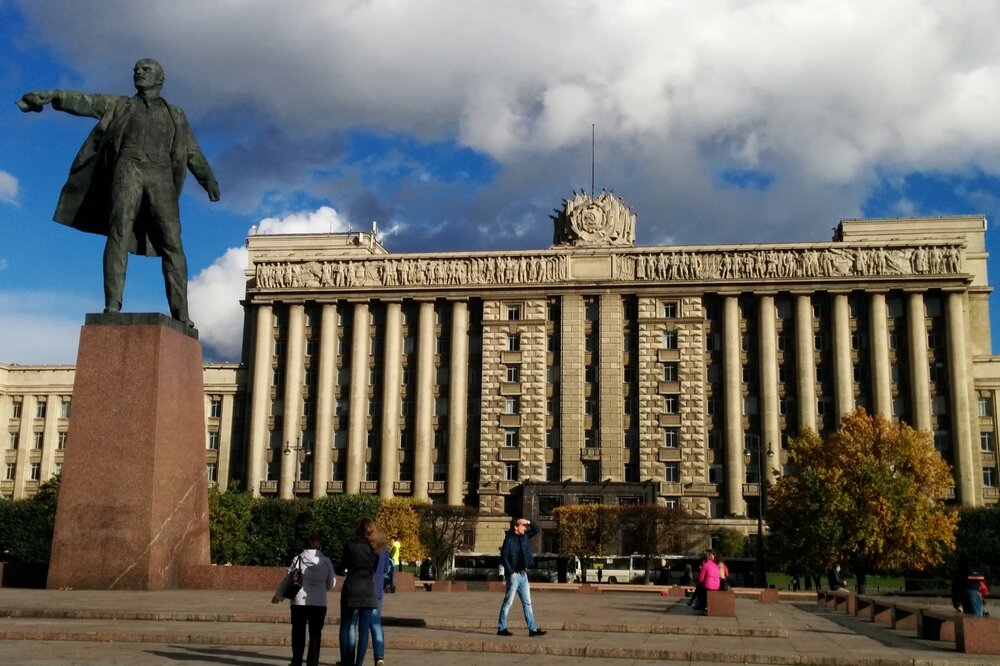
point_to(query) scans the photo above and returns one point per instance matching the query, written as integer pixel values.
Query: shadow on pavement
(212, 655)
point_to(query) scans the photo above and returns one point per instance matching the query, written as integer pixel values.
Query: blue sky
(460, 126)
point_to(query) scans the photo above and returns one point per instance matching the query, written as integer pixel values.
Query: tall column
(959, 373)
(920, 376)
(26, 437)
(843, 373)
(225, 441)
(458, 402)
(326, 379)
(425, 401)
(609, 387)
(881, 380)
(260, 397)
(769, 380)
(392, 378)
(50, 437)
(805, 362)
(357, 421)
(733, 396)
(291, 432)
(571, 384)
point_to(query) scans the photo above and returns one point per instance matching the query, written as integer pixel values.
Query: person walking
(358, 600)
(516, 557)
(308, 607)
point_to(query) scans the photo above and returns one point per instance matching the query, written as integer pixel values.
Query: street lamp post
(761, 564)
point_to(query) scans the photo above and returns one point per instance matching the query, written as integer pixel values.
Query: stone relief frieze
(661, 266)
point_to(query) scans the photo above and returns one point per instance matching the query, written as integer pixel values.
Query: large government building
(593, 370)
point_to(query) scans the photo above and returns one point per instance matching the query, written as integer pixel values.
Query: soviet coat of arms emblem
(606, 220)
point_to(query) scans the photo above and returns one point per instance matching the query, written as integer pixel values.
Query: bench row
(974, 635)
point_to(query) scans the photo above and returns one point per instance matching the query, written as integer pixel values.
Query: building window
(278, 378)
(212, 471)
(986, 441)
(61, 440)
(40, 410)
(15, 410)
(64, 408)
(672, 472)
(670, 309)
(590, 373)
(985, 406)
(786, 405)
(512, 405)
(670, 340)
(213, 441)
(38, 440)
(713, 342)
(511, 437)
(715, 474)
(590, 406)
(441, 439)
(670, 371)
(35, 474)
(552, 311)
(631, 438)
(715, 440)
(750, 405)
(441, 407)
(513, 312)
(893, 339)
(590, 439)
(671, 438)
(859, 340)
(671, 404)
(552, 405)
(552, 472)
(712, 406)
(629, 405)
(547, 504)
(513, 373)
(513, 342)
(820, 341)
(591, 472)
(933, 340)
(552, 439)
(10, 469)
(628, 374)
(552, 343)
(990, 477)
(510, 471)
(12, 441)
(215, 408)
(631, 475)
(782, 342)
(404, 440)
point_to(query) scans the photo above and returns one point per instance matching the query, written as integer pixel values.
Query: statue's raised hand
(35, 100)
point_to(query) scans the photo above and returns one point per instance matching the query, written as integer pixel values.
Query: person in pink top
(708, 579)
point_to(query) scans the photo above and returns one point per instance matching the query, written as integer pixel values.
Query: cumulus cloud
(214, 293)
(821, 97)
(8, 188)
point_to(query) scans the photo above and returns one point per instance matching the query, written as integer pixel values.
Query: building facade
(644, 372)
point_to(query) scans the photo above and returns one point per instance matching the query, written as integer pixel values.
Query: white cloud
(820, 94)
(8, 188)
(214, 294)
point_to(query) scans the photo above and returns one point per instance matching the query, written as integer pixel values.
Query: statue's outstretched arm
(35, 100)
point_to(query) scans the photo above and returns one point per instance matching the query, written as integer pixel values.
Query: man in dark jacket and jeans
(515, 557)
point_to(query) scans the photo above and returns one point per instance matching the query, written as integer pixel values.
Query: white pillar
(392, 377)
(733, 396)
(425, 402)
(458, 402)
(920, 376)
(881, 380)
(260, 397)
(805, 362)
(357, 420)
(843, 372)
(966, 466)
(323, 446)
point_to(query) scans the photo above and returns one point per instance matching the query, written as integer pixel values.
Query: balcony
(435, 487)
(268, 487)
(334, 487)
(668, 454)
(402, 487)
(369, 487)
(509, 454)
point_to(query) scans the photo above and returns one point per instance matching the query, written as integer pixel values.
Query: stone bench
(721, 603)
(974, 635)
(937, 625)
(875, 609)
(768, 595)
(839, 600)
(904, 616)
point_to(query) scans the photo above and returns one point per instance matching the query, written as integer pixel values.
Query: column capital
(839, 292)
(765, 292)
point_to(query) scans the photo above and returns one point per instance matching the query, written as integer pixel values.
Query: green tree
(26, 525)
(229, 515)
(442, 530)
(587, 530)
(276, 531)
(869, 497)
(651, 530)
(731, 542)
(335, 519)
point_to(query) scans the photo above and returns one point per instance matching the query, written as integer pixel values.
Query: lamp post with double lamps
(760, 573)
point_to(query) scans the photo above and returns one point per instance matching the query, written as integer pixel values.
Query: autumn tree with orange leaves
(870, 497)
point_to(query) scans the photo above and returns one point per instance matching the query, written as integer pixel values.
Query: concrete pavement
(243, 629)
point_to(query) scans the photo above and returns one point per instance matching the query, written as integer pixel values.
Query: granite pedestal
(133, 503)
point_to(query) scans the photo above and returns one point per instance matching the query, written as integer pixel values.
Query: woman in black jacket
(357, 598)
